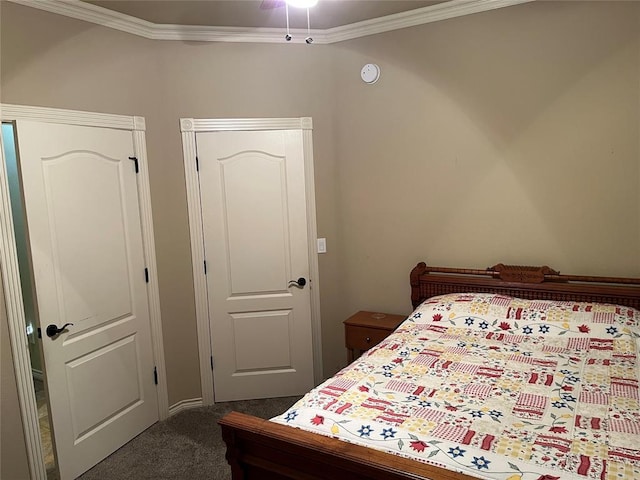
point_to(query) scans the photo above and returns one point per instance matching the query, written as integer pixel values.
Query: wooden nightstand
(363, 330)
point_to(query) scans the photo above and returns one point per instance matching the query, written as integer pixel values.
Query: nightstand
(363, 330)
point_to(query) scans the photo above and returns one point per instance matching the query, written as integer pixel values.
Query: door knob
(53, 330)
(300, 283)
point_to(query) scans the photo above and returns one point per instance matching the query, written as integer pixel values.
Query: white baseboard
(37, 374)
(185, 405)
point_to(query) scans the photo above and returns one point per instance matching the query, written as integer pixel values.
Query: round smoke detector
(370, 73)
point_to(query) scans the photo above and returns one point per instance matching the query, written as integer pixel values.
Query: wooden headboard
(523, 282)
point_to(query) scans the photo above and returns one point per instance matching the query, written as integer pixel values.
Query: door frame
(11, 275)
(189, 127)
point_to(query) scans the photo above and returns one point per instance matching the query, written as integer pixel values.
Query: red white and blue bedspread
(495, 387)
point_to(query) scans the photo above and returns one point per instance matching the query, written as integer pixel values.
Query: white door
(253, 201)
(85, 235)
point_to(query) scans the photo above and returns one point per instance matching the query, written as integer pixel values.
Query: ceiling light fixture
(299, 4)
(302, 3)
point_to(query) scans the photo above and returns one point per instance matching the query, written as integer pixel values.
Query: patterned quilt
(495, 387)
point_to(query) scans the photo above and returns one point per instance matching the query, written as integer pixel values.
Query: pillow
(501, 313)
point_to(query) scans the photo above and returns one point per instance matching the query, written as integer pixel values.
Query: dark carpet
(187, 445)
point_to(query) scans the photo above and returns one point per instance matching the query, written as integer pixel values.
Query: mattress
(495, 387)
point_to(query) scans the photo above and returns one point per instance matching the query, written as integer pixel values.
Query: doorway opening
(28, 297)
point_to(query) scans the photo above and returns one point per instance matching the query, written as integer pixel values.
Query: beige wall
(237, 80)
(72, 64)
(13, 458)
(510, 136)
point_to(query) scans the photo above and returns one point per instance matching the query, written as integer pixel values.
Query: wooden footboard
(260, 449)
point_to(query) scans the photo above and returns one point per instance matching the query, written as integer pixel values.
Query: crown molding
(136, 26)
(94, 14)
(233, 34)
(412, 18)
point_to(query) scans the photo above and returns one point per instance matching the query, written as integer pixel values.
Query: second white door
(253, 199)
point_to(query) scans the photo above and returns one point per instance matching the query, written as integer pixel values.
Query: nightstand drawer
(365, 329)
(363, 338)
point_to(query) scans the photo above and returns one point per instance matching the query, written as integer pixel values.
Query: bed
(510, 373)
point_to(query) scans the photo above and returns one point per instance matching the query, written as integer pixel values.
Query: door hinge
(197, 164)
(211, 362)
(205, 267)
(155, 375)
(146, 275)
(135, 162)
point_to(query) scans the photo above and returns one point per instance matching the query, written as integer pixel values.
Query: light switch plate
(322, 245)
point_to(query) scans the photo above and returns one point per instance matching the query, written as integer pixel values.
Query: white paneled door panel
(252, 188)
(85, 233)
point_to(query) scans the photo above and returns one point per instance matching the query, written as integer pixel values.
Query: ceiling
(262, 21)
(256, 13)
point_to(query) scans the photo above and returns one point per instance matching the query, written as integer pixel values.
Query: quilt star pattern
(495, 387)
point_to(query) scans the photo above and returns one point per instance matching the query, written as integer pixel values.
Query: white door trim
(189, 127)
(11, 276)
